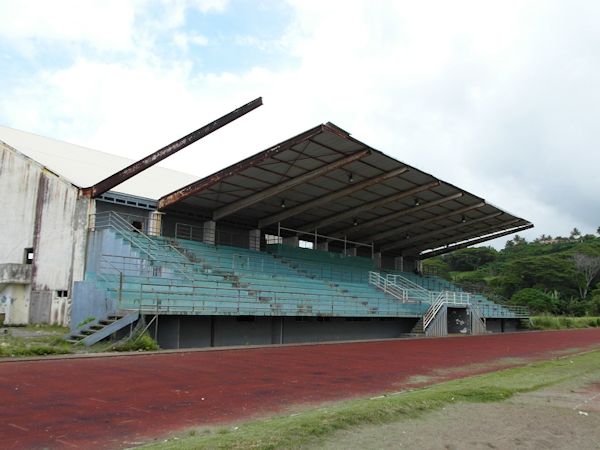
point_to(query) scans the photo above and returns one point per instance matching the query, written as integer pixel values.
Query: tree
(598, 231)
(575, 233)
(536, 300)
(588, 268)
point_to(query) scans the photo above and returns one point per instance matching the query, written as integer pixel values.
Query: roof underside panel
(324, 180)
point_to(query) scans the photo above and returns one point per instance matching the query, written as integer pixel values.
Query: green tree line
(559, 275)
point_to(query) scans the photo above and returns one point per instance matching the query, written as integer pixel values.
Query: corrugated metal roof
(405, 214)
(83, 166)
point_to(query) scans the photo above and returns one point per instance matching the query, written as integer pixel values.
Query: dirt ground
(564, 416)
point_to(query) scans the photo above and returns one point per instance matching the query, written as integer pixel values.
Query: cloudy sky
(500, 98)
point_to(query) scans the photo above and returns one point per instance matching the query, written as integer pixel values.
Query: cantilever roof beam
(471, 234)
(366, 207)
(231, 208)
(420, 237)
(291, 212)
(385, 234)
(141, 165)
(485, 238)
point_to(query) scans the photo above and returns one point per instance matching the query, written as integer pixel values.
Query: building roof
(325, 180)
(84, 167)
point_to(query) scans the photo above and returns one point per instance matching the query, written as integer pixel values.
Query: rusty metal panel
(439, 325)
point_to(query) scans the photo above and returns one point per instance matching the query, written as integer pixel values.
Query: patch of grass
(11, 346)
(140, 343)
(44, 328)
(563, 322)
(312, 426)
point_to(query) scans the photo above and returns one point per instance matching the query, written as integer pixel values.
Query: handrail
(387, 287)
(119, 224)
(444, 297)
(394, 278)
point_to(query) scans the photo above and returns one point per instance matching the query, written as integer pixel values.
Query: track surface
(119, 401)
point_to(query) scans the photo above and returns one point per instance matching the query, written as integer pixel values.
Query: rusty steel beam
(453, 239)
(485, 238)
(420, 237)
(383, 219)
(257, 197)
(385, 234)
(366, 207)
(266, 221)
(141, 165)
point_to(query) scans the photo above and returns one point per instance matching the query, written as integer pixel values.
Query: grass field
(309, 428)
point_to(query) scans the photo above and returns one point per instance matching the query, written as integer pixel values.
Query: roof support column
(254, 239)
(209, 232)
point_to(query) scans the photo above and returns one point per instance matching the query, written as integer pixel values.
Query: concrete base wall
(502, 325)
(217, 331)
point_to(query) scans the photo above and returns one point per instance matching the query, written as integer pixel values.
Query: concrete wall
(43, 212)
(14, 299)
(205, 331)
(89, 301)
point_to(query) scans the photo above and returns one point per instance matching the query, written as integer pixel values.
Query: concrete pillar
(399, 263)
(351, 251)
(294, 241)
(209, 232)
(377, 259)
(254, 239)
(323, 246)
(155, 223)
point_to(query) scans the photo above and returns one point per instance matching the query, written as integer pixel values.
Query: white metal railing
(445, 298)
(405, 282)
(388, 287)
(138, 240)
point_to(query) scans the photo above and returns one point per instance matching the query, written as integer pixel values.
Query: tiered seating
(188, 277)
(437, 284)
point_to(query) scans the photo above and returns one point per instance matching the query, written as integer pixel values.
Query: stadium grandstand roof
(324, 180)
(83, 166)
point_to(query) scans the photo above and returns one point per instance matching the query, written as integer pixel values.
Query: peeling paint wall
(42, 211)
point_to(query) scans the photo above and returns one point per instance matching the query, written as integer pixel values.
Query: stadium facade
(320, 237)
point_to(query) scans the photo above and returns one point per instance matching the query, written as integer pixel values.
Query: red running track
(118, 401)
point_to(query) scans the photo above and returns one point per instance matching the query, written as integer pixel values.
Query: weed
(137, 343)
(562, 322)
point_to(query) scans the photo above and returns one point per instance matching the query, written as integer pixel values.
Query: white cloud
(105, 24)
(206, 6)
(498, 98)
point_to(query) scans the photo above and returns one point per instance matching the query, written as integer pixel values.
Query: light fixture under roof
(417, 202)
(283, 203)
(463, 219)
(350, 177)
(355, 222)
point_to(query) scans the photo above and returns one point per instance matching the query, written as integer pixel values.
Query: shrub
(137, 343)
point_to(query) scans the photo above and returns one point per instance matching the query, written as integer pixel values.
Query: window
(137, 224)
(62, 294)
(28, 255)
(306, 244)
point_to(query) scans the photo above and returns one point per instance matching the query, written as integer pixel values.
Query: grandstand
(320, 237)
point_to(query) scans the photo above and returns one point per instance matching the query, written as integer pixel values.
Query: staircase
(94, 332)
